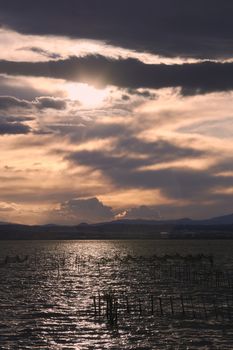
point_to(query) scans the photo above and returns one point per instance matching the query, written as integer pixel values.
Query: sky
(115, 110)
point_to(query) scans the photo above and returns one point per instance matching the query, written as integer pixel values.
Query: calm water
(47, 301)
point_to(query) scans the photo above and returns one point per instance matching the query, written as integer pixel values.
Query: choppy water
(47, 301)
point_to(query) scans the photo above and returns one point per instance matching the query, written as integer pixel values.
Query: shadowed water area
(116, 295)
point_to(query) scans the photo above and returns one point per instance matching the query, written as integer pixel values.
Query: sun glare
(87, 95)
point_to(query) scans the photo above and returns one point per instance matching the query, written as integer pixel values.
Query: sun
(87, 95)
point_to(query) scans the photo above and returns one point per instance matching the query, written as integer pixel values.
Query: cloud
(7, 102)
(83, 210)
(20, 88)
(7, 207)
(13, 128)
(130, 165)
(138, 149)
(13, 125)
(220, 128)
(13, 119)
(80, 130)
(142, 212)
(130, 73)
(165, 27)
(120, 158)
(144, 94)
(42, 52)
(215, 207)
(43, 102)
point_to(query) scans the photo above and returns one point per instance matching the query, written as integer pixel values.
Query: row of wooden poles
(201, 275)
(108, 306)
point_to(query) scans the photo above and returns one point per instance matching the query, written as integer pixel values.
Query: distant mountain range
(218, 227)
(220, 220)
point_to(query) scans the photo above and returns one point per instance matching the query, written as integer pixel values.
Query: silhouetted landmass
(215, 228)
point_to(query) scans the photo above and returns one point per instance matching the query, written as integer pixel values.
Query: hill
(185, 228)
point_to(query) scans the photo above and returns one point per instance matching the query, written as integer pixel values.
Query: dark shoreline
(113, 231)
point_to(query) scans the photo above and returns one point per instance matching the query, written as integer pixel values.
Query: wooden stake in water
(110, 303)
(161, 306)
(171, 304)
(204, 307)
(58, 271)
(116, 310)
(215, 309)
(94, 302)
(193, 311)
(182, 304)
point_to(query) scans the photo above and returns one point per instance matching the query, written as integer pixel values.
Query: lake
(161, 294)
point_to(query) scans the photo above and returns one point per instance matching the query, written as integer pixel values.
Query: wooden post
(182, 304)
(58, 271)
(204, 307)
(99, 304)
(161, 306)
(107, 306)
(110, 308)
(193, 311)
(215, 309)
(127, 305)
(94, 302)
(116, 311)
(171, 304)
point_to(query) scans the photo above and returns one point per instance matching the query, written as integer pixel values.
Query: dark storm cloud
(158, 151)
(167, 27)
(174, 182)
(13, 128)
(11, 125)
(13, 119)
(155, 152)
(8, 102)
(124, 171)
(90, 209)
(129, 73)
(80, 130)
(177, 183)
(44, 102)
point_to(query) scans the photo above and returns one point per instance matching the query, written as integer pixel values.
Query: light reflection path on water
(47, 302)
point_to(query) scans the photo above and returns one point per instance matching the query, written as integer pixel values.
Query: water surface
(47, 302)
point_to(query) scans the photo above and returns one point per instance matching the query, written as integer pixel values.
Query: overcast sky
(115, 109)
